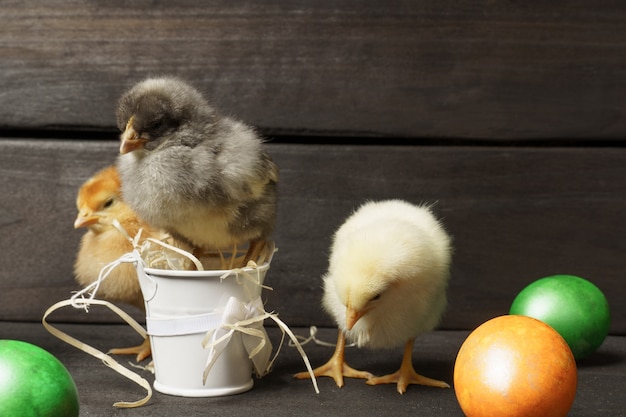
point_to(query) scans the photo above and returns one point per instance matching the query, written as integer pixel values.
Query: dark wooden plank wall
(329, 76)
(516, 215)
(424, 68)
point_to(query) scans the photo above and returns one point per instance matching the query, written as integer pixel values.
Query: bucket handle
(147, 284)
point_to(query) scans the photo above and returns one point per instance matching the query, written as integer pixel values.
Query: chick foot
(406, 375)
(143, 351)
(336, 367)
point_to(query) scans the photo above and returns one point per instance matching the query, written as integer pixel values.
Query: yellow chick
(99, 203)
(386, 283)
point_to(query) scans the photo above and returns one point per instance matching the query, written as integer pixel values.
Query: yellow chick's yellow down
(386, 284)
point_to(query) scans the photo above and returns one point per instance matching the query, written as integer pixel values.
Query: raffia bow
(246, 318)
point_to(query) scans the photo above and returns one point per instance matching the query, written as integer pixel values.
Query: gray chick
(186, 169)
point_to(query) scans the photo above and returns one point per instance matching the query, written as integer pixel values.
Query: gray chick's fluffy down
(201, 176)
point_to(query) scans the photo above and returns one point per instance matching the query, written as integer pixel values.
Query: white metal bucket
(181, 306)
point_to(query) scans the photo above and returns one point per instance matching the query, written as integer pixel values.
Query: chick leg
(254, 250)
(406, 375)
(336, 367)
(143, 350)
(233, 255)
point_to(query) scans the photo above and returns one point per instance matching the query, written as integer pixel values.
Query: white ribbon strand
(246, 275)
(92, 289)
(313, 338)
(108, 361)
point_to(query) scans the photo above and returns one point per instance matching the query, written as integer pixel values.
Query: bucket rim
(211, 273)
(208, 273)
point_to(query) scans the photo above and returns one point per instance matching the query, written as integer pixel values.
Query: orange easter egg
(515, 366)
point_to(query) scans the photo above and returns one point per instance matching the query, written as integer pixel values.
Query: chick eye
(108, 203)
(156, 125)
(376, 297)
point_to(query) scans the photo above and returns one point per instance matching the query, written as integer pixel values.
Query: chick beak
(85, 219)
(131, 139)
(352, 316)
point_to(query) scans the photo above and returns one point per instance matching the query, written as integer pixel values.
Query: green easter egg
(33, 383)
(573, 306)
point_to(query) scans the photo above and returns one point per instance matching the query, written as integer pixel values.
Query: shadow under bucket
(181, 307)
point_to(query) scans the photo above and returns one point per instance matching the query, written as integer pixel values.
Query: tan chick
(386, 283)
(99, 203)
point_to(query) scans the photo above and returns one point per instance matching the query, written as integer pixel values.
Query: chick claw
(336, 367)
(404, 379)
(143, 351)
(406, 375)
(337, 370)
